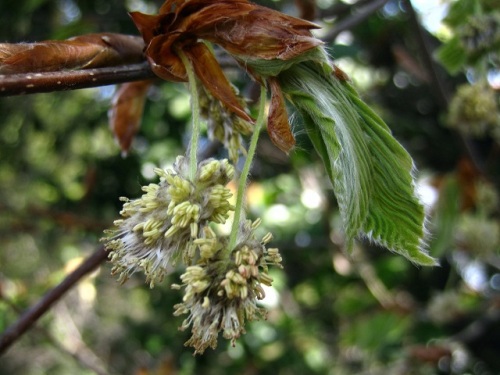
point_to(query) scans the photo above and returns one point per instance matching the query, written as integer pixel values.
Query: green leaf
(376, 332)
(370, 171)
(460, 11)
(452, 55)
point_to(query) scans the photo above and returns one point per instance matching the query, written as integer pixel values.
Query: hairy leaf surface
(370, 171)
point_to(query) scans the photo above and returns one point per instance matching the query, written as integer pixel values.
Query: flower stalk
(240, 197)
(195, 109)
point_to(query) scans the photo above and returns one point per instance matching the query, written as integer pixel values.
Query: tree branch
(429, 63)
(34, 83)
(15, 331)
(354, 20)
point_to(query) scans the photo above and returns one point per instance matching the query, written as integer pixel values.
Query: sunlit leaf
(460, 10)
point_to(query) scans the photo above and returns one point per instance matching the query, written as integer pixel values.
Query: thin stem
(246, 168)
(195, 107)
(12, 333)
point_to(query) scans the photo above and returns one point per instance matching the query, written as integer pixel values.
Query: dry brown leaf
(278, 126)
(254, 31)
(212, 77)
(82, 52)
(126, 112)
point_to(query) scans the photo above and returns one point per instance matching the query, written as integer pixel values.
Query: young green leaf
(370, 171)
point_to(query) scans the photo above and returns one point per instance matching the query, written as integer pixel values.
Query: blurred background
(429, 68)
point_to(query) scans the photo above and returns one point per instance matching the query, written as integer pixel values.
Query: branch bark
(34, 83)
(26, 321)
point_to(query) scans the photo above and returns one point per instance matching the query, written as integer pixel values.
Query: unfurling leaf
(126, 112)
(82, 52)
(370, 171)
(278, 126)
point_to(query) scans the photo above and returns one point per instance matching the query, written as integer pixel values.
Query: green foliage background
(61, 174)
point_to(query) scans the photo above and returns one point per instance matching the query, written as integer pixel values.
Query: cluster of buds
(478, 234)
(223, 125)
(474, 110)
(221, 291)
(446, 307)
(163, 225)
(481, 34)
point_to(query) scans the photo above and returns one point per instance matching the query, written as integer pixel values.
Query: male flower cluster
(224, 125)
(222, 289)
(163, 225)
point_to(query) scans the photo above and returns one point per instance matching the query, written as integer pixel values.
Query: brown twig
(34, 83)
(15, 331)
(354, 20)
(429, 63)
(86, 358)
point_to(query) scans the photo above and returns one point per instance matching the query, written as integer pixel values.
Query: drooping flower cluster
(163, 225)
(224, 125)
(221, 291)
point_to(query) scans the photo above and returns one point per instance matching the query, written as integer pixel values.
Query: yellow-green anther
(265, 279)
(267, 238)
(259, 291)
(194, 229)
(208, 170)
(243, 292)
(171, 231)
(206, 303)
(255, 224)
